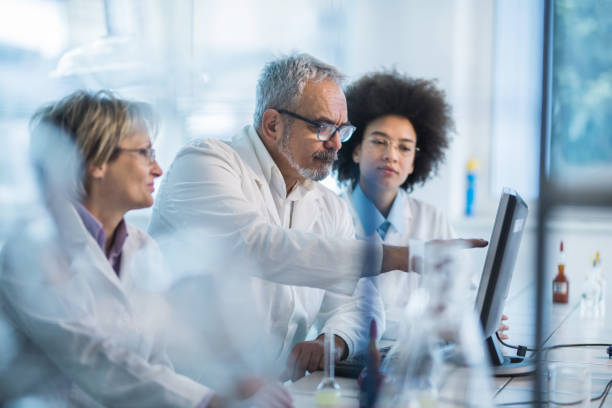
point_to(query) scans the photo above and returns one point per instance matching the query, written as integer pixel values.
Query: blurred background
(197, 62)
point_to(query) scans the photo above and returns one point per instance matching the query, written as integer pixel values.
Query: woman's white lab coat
(81, 334)
(422, 222)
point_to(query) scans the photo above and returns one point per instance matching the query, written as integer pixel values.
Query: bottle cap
(473, 165)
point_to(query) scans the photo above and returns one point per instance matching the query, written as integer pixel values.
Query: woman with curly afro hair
(403, 129)
(415, 103)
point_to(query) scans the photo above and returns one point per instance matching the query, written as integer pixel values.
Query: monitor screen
(499, 264)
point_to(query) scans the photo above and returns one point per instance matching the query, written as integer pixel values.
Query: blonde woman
(76, 311)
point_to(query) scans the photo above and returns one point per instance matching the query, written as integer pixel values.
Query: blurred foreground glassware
(568, 385)
(328, 391)
(592, 300)
(439, 354)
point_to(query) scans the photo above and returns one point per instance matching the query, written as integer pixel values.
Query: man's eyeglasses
(148, 154)
(325, 131)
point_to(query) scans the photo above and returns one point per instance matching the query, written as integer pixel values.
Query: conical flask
(439, 356)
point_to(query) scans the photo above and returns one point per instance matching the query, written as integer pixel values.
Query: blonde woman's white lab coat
(81, 335)
(297, 252)
(422, 221)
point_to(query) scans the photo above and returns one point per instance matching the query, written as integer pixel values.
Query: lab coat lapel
(264, 189)
(84, 252)
(395, 237)
(359, 230)
(408, 217)
(254, 154)
(307, 210)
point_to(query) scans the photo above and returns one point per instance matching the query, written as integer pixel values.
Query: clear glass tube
(328, 392)
(329, 350)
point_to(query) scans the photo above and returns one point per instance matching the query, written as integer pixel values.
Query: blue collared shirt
(372, 220)
(94, 227)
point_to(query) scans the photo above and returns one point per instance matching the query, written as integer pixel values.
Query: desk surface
(566, 324)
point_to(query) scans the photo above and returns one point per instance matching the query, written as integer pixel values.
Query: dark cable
(606, 392)
(521, 349)
(511, 346)
(556, 346)
(601, 396)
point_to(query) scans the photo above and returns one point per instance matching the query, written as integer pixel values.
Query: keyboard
(351, 368)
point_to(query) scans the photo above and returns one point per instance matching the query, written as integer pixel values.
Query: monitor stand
(506, 366)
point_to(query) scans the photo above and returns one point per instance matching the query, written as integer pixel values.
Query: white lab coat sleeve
(350, 316)
(51, 304)
(467, 259)
(445, 229)
(206, 191)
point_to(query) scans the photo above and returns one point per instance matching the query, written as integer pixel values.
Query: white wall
(583, 231)
(450, 41)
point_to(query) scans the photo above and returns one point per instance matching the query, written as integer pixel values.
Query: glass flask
(439, 356)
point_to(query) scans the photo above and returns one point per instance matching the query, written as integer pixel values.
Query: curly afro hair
(390, 93)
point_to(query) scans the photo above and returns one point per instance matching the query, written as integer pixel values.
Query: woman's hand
(503, 327)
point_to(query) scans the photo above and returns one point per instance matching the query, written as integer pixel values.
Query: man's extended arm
(207, 199)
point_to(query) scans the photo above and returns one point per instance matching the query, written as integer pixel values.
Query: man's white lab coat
(232, 196)
(80, 334)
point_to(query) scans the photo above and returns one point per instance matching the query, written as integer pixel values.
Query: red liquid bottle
(560, 283)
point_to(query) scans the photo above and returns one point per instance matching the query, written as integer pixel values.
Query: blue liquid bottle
(470, 191)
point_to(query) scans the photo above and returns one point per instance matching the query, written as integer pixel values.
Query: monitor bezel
(499, 266)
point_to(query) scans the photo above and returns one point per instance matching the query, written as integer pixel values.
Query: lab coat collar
(95, 229)
(93, 226)
(371, 218)
(399, 211)
(369, 215)
(74, 236)
(252, 151)
(70, 226)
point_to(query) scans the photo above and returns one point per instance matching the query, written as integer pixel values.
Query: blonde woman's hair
(96, 123)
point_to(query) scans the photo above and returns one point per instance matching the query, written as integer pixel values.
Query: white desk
(566, 325)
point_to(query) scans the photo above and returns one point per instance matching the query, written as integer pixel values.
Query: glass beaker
(569, 385)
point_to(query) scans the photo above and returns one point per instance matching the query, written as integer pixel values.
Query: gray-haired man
(258, 195)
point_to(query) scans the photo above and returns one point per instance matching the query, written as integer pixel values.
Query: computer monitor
(492, 291)
(496, 277)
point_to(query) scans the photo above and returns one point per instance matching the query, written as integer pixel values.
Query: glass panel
(581, 142)
(516, 97)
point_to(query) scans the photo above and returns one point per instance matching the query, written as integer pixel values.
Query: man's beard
(315, 174)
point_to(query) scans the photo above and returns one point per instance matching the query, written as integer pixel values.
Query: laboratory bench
(566, 323)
